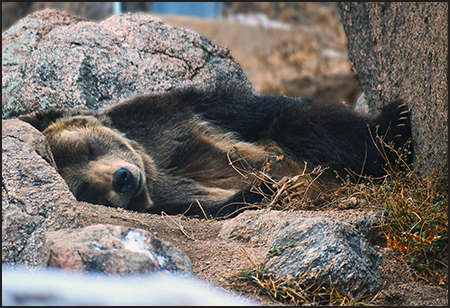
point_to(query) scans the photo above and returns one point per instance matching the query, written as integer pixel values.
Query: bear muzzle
(123, 182)
(115, 182)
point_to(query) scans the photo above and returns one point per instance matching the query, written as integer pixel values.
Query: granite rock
(400, 50)
(312, 249)
(35, 199)
(52, 59)
(111, 249)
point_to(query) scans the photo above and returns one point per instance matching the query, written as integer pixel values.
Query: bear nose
(122, 181)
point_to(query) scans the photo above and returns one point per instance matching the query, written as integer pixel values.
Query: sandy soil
(215, 260)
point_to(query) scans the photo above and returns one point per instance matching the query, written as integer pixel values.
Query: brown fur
(88, 152)
(173, 151)
(85, 151)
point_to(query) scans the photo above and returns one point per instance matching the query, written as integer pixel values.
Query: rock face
(313, 250)
(400, 50)
(35, 198)
(111, 249)
(51, 59)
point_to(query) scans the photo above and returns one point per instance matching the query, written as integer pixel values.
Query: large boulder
(400, 50)
(35, 199)
(52, 59)
(327, 252)
(312, 249)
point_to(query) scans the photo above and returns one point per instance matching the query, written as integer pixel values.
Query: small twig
(245, 253)
(275, 198)
(316, 170)
(132, 219)
(233, 166)
(178, 224)
(248, 206)
(243, 159)
(201, 207)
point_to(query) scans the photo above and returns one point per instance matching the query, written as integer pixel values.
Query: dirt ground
(214, 260)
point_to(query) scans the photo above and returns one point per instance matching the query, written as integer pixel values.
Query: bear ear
(42, 119)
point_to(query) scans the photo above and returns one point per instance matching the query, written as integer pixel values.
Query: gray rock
(259, 226)
(35, 198)
(18, 45)
(111, 249)
(51, 59)
(313, 248)
(400, 50)
(326, 252)
(52, 287)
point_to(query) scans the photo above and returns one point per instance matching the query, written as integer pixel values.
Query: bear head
(99, 164)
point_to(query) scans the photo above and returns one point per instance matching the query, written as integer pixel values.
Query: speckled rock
(322, 251)
(400, 50)
(313, 249)
(35, 198)
(111, 249)
(259, 226)
(52, 59)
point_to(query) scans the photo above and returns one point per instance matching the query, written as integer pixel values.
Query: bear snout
(123, 182)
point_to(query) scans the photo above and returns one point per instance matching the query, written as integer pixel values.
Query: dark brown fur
(170, 152)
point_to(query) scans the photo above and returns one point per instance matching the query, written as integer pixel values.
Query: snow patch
(135, 241)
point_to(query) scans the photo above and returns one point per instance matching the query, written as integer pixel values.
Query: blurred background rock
(294, 49)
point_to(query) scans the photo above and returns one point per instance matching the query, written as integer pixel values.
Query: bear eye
(94, 151)
(83, 192)
(91, 153)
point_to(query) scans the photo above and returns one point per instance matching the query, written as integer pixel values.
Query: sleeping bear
(182, 151)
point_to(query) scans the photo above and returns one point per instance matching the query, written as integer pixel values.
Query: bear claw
(404, 112)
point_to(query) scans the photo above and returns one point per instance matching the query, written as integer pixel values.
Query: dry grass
(416, 211)
(416, 224)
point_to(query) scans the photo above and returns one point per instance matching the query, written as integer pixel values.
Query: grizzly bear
(182, 151)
